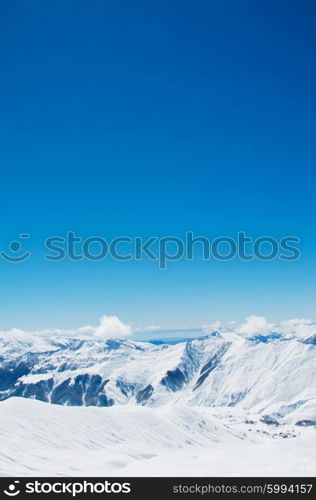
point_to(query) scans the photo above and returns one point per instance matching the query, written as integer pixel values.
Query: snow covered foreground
(39, 439)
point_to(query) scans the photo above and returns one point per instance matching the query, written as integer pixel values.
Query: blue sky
(156, 118)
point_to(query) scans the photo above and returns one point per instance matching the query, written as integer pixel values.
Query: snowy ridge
(277, 375)
(221, 405)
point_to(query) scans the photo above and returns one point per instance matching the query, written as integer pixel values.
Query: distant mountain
(271, 374)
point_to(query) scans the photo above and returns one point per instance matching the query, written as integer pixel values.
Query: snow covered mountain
(272, 375)
(220, 405)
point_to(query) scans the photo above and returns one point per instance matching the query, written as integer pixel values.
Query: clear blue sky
(156, 118)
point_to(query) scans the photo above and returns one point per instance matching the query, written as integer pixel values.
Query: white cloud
(112, 326)
(17, 333)
(300, 327)
(212, 326)
(109, 326)
(255, 324)
(89, 330)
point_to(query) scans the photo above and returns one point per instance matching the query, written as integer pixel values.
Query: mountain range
(214, 406)
(271, 375)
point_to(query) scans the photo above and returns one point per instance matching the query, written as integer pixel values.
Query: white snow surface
(208, 425)
(38, 439)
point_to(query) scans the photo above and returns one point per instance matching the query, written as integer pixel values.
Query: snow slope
(39, 439)
(222, 405)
